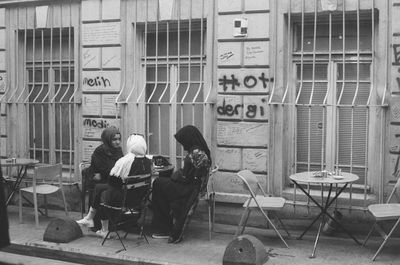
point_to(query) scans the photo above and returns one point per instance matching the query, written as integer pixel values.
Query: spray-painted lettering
(249, 81)
(96, 123)
(97, 81)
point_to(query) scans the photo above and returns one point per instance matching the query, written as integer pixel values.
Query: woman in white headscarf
(133, 163)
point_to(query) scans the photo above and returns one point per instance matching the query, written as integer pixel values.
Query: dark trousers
(169, 202)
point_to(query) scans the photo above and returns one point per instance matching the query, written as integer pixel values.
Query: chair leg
(282, 224)
(209, 220)
(20, 206)
(65, 202)
(273, 226)
(243, 222)
(35, 206)
(386, 239)
(369, 234)
(46, 213)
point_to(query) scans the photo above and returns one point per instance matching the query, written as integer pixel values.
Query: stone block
(3, 125)
(255, 159)
(256, 53)
(251, 5)
(107, 33)
(91, 104)
(258, 25)
(229, 158)
(2, 17)
(229, 53)
(91, 58)
(2, 38)
(90, 10)
(108, 105)
(2, 60)
(111, 57)
(242, 133)
(111, 9)
(230, 5)
(395, 22)
(3, 146)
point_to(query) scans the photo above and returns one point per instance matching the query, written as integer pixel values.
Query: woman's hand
(97, 176)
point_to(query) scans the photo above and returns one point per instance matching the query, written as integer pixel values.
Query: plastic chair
(265, 204)
(204, 193)
(132, 212)
(46, 180)
(382, 213)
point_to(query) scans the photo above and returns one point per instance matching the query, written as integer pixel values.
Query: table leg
(316, 241)
(17, 183)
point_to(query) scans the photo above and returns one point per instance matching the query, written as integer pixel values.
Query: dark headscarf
(106, 137)
(190, 137)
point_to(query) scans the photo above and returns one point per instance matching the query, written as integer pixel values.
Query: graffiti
(396, 51)
(251, 111)
(225, 56)
(249, 81)
(96, 124)
(97, 81)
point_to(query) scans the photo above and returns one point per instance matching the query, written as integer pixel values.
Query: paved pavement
(196, 249)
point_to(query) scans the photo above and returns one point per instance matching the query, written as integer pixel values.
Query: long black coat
(4, 235)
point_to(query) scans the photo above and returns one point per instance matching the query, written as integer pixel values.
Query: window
(332, 65)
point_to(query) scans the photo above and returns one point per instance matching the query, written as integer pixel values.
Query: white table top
(19, 162)
(309, 177)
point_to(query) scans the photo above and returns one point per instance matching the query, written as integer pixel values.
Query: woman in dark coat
(171, 194)
(4, 235)
(104, 158)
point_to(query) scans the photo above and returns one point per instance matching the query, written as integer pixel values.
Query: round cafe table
(22, 165)
(314, 177)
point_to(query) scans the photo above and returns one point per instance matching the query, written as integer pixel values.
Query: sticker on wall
(240, 27)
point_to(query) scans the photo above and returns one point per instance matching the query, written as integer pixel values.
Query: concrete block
(2, 38)
(258, 25)
(229, 158)
(256, 53)
(255, 159)
(3, 82)
(229, 107)
(255, 108)
(244, 80)
(245, 249)
(101, 81)
(107, 33)
(229, 53)
(90, 10)
(91, 104)
(111, 57)
(2, 60)
(242, 133)
(230, 5)
(108, 106)
(251, 5)
(2, 17)
(111, 9)
(91, 58)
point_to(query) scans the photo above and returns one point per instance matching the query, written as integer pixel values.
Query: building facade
(276, 87)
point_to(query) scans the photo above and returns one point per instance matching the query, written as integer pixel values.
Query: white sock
(104, 225)
(91, 213)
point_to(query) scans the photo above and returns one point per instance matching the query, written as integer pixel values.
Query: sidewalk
(195, 249)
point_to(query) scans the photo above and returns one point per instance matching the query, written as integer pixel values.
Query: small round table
(22, 165)
(315, 177)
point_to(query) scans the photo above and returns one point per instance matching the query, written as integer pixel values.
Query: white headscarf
(135, 146)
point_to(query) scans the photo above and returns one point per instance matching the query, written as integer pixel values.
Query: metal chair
(83, 167)
(382, 213)
(264, 203)
(132, 212)
(204, 193)
(46, 180)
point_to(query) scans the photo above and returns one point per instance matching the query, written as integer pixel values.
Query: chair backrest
(136, 190)
(210, 179)
(51, 174)
(394, 191)
(251, 182)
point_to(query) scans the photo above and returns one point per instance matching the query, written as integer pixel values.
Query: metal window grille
(334, 95)
(42, 93)
(171, 87)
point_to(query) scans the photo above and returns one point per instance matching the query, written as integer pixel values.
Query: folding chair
(132, 212)
(83, 169)
(203, 193)
(264, 203)
(46, 180)
(384, 212)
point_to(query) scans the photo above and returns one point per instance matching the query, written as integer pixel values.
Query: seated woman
(133, 163)
(171, 194)
(103, 160)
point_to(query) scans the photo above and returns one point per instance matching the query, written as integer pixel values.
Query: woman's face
(116, 141)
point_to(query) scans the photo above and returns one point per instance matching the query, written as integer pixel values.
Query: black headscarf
(106, 137)
(190, 137)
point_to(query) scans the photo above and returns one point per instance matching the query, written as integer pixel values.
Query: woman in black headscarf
(103, 160)
(170, 195)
